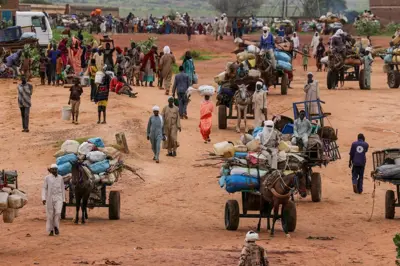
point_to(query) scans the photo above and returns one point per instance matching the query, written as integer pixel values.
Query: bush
(396, 241)
(392, 27)
(199, 55)
(367, 28)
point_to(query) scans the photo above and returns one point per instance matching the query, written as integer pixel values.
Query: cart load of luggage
(102, 164)
(11, 198)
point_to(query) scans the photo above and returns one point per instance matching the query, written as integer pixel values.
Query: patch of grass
(80, 140)
(200, 55)
(175, 69)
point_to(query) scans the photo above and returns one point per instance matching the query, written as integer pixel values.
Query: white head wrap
(259, 83)
(267, 131)
(251, 236)
(170, 97)
(53, 166)
(369, 49)
(338, 33)
(156, 108)
(310, 73)
(265, 28)
(167, 50)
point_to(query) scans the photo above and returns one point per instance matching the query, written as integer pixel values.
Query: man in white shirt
(296, 44)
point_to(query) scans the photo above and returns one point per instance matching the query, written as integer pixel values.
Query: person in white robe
(259, 105)
(312, 94)
(53, 196)
(314, 44)
(269, 140)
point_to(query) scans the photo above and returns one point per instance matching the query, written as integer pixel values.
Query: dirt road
(177, 216)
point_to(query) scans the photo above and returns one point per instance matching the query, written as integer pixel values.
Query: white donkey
(242, 100)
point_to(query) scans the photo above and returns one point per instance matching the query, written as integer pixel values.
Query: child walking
(75, 99)
(92, 74)
(305, 57)
(42, 68)
(59, 69)
(26, 66)
(101, 98)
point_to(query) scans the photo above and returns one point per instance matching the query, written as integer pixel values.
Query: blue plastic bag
(256, 131)
(64, 169)
(69, 158)
(99, 167)
(284, 65)
(98, 142)
(235, 183)
(282, 56)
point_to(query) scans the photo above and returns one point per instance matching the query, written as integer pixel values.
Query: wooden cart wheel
(232, 215)
(222, 117)
(289, 217)
(114, 201)
(389, 204)
(316, 185)
(361, 80)
(284, 84)
(330, 81)
(393, 79)
(63, 211)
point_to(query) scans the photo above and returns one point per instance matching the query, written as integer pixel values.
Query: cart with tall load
(386, 165)
(346, 65)
(246, 166)
(391, 58)
(229, 82)
(100, 164)
(11, 198)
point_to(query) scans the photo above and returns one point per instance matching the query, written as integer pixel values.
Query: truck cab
(39, 21)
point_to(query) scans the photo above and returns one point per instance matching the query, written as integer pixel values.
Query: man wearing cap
(252, 254)
(357, 162)
(172, 123)
(270, 139)
(53, 196)
(267, 45)
(312, 94)
(259, 105)
(302, 129)
(155, 132)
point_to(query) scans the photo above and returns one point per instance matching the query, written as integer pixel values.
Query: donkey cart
(392, 198)
(393, 76)
(253, 201)
(347, 70)
(226, 103)
(97, 199)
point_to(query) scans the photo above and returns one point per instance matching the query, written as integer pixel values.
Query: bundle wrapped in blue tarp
(99, 167)
(388, 171)
(68, 158)
(235, 183)
(64, 169)
(284, 65)
(282, 56)
(98, 142)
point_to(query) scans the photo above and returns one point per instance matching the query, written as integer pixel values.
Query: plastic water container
(85, 81)
(99, 77)
(222, 148)
(66, 113)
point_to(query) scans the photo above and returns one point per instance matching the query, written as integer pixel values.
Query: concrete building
(8, 9)
(386, 10)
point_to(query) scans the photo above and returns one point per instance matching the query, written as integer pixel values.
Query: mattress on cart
(388, 172)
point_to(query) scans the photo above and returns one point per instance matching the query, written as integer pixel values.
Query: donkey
(82, 188)
(277, 190)
(242, 100)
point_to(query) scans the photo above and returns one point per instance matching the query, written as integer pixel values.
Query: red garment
(64, 51)
(206, 110)
(149, 56)
(115, 85)
(118, 49)
(290, 75)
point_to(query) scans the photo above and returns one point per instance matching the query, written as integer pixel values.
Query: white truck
(40, 22)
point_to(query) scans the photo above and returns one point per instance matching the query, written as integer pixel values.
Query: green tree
(236, 7)
(313, 8)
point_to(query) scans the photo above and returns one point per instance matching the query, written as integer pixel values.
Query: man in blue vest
(357, 162)
(267, 45)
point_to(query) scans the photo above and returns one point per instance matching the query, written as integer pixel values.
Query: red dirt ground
(177, 216)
